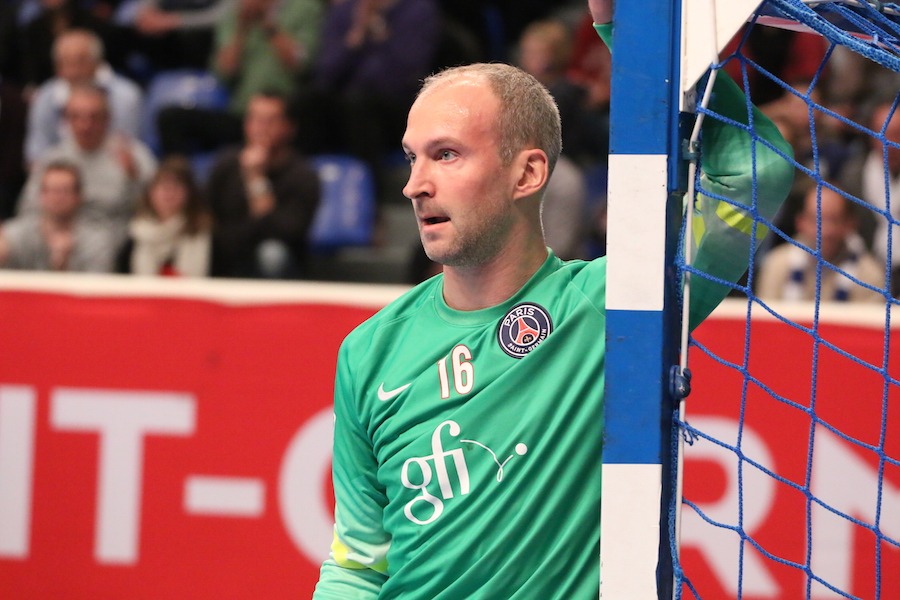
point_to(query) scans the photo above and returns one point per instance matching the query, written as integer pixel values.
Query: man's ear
(533, 174)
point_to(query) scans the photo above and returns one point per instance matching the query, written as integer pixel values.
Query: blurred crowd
(830, 241)
(107, 165)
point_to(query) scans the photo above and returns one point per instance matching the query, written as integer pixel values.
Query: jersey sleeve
(746, 177)
(357, 565)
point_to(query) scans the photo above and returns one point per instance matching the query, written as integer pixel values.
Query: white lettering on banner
(718, 544)
(17, 419)
(845, 482)
(121, 419)
(839, 478)
(224, 496)
(303, 480)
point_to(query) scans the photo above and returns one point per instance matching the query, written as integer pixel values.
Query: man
(877, 179)
(58, 238)
(469, 412)
(78, 57)
(264, 196)
(114, 168)
(788, 272)
(40, 22)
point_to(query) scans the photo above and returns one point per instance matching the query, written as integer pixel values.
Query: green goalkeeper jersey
(468, 445)
(465, 438)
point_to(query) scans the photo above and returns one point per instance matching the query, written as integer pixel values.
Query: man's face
(255, 8)
(536, 56)
(461, 192)
(74, 61)
(266, 124)
(891, 132)
(87, 116)
(837, 223)
(59, 197)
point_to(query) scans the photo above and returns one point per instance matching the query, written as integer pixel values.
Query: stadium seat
(346, 214)
(28, 10)
(202, 164)
(125, 13)
(182, 87)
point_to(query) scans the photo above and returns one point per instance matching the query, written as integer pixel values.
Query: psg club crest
(524, 327)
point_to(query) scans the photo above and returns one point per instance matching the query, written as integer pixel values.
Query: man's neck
(58, 223)
(93, 149)
(490, 284)
(278, 156)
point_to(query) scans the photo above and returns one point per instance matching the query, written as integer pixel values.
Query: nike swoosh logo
(384, 396)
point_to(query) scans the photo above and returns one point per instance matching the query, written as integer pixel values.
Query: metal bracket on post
(679, 383)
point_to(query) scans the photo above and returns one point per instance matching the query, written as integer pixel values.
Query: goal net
(791, 435)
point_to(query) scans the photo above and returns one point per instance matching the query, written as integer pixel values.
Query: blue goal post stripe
(643, 124)
(644, 121)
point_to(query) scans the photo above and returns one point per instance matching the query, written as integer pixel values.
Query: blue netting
(871, 30)
(868, 28)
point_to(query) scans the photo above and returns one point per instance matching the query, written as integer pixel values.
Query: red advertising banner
(820, 438)
(179, 447)
(165, 448)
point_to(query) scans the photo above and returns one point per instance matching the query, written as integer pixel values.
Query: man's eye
(446, 155)
(411, 158)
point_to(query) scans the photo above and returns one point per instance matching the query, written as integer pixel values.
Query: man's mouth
(435, 220)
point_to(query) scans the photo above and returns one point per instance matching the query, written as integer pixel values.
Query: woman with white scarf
(170, 234)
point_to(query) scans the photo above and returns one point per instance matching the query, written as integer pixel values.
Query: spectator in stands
(261, 45)
(373, 55)
(173, 34)
(58, 237)
(78, 56)
(544, 50)
(854, 85)
(39, 35)
(793, 112)
(114, 167)
(875, 177)
(171, 233)
(263, 196)
(828, 157)
(789, 271)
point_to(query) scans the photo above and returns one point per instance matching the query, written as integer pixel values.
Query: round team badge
(524, 327)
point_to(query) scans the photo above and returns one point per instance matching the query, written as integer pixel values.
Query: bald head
(77, 54)
(828, 216)
(528, 115)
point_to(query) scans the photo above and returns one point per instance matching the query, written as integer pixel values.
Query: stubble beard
(472, 248)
